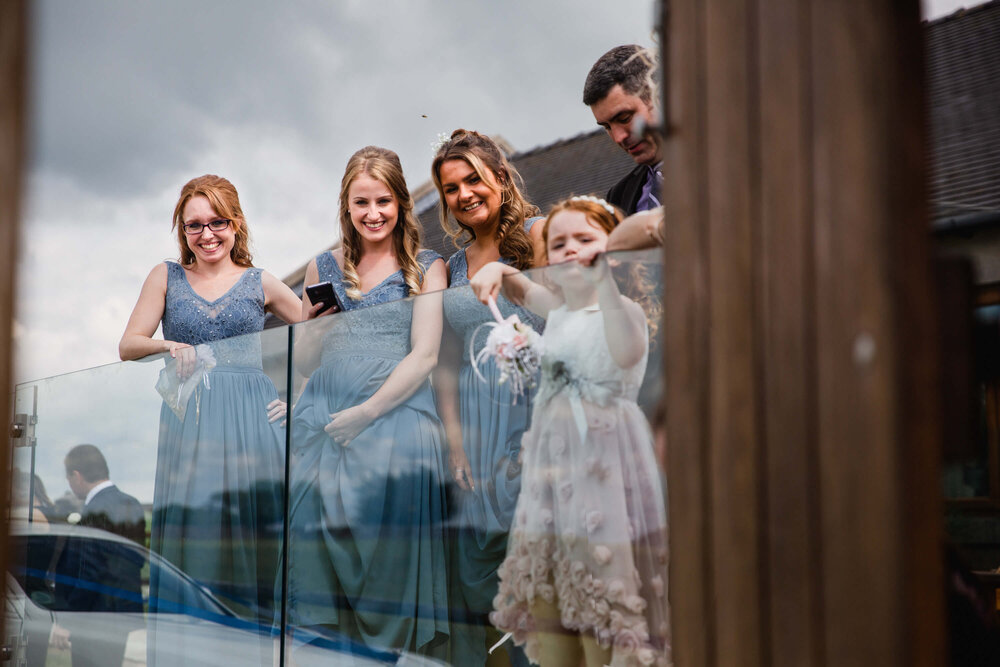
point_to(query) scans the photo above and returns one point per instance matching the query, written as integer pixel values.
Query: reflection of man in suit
(105, 506)
(619, 93)
(105, 575)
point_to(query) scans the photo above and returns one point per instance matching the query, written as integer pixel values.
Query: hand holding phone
(323, 293)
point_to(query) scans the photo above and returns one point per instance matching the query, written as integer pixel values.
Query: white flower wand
(516, 349)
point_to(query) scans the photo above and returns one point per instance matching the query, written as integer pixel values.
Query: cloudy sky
(131, 99)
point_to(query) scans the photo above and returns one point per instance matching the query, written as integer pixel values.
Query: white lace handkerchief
(176, 393)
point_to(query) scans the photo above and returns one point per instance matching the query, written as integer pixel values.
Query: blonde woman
(367, 559)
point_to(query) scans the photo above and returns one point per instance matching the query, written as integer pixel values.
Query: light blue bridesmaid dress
(492, 426)
(219, 472)
(367, 545)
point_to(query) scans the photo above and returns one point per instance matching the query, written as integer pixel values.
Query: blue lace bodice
(382, 331)
(189, 318)
(465, 313)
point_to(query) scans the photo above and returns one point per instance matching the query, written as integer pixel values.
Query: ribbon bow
(560, 377)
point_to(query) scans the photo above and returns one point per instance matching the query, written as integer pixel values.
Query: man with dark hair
(105, 506)
(619, 92)
(99, 575)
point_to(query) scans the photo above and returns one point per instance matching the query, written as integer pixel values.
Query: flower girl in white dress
(586, 565)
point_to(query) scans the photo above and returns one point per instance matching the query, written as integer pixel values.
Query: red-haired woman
(223, 441)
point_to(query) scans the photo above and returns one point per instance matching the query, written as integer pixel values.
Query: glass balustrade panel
(453, 476)
(433, 446)
(157, 489)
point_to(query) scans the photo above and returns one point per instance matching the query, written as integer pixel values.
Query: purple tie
(650, 197)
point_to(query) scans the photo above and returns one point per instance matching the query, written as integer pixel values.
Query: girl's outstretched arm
(625, 329)
(516, 286)
(411, 372)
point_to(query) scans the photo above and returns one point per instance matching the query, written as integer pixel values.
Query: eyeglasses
(195, 228)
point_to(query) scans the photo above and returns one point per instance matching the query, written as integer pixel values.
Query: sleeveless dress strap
(327, 267)
(174, 272)
(458, 268)
(427, 257)
(530, 222)
(256, 274)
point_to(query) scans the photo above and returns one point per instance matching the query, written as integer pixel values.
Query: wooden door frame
(13, 72)
(800, 345)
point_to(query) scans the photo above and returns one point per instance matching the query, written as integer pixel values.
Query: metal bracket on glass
(22, 430)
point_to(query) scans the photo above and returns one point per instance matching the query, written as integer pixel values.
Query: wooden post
(13, 56)
(803, 432)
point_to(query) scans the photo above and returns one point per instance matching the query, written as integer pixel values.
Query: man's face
(616, 112)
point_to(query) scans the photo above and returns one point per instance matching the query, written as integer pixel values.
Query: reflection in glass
(219, 467)
(367, 557)
(366, 554)
(106, 616)
(588, 549)
(29, 500)
(217, 503)
(369, 566)
(492, 423)
(100, 576)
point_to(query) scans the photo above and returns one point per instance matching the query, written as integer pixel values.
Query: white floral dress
(590, 525)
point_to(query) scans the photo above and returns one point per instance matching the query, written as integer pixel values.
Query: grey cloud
(128, 93)
(133, 98)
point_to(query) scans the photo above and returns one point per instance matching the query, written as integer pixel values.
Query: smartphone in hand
(323, 293)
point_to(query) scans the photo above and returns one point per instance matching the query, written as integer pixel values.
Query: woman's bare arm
(446, 393)
(137, 341)
(308, 336)
(280, 299)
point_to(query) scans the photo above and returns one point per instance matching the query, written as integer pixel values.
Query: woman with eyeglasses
(219, 467)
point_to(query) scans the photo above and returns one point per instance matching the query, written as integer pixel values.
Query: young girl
(586, 565)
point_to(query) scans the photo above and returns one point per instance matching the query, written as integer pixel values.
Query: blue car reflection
(86, 583)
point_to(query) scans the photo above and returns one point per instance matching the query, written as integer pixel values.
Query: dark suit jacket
(117, 512)
(105, 574)
(625, 193)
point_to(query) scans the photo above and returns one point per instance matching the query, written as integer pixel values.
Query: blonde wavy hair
(483, 154)
(383, 165)
(225, 201)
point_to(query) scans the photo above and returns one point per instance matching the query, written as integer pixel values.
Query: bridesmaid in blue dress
(491, 221)
(367, 552)
(219, 468)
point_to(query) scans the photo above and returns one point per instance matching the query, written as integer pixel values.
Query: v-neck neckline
(364, 295)
(465, 259)
(383, 282)
(220, 297)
